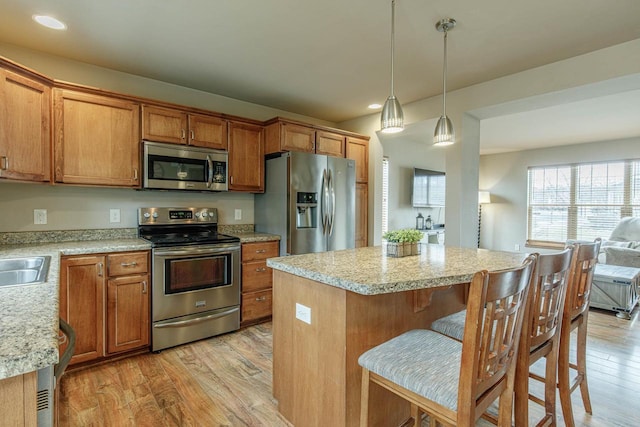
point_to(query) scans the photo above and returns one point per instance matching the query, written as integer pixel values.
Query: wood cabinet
(19, 400)
(246, 157)
(358, 150)
(96, 139)
(25, 120)
(105, 299)
(282, 135)
(257, 281)
(180, 127)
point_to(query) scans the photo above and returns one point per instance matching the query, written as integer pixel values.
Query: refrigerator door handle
(332, 215)
(324, 202)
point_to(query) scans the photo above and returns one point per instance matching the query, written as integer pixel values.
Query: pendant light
(444, 133)
(392, 119)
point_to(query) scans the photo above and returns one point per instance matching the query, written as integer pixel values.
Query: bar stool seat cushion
(422, 361)
(451, 325)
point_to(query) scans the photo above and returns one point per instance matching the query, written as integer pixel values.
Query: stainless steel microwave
(182, 167)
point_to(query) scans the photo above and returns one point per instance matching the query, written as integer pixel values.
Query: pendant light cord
(444, 75)
(393, 20)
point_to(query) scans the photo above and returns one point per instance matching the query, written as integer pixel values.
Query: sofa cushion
(628, 229)
(622, 256)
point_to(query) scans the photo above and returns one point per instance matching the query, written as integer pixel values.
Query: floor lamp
(483, 198)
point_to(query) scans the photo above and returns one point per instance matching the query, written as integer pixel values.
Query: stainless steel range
(195, 290)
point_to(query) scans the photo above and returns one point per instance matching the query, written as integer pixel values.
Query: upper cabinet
(96, 139)
(246, 157)
(179, 127)
(358, 150)
(25, 120)
(283, 135)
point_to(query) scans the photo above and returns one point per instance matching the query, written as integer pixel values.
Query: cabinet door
(207, 131)
(96, 139)
(256, 305)
(331, 144)
(25, 117)
(246, 157)
(358, 150)
(127, 313)
(255, 251)
(361, 215)
(164, 125)
(82, 303)
(256, 276)
(298, 138)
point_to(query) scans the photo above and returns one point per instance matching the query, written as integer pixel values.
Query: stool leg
(564, 387)
(551, 370)
(581, 353)
(521, 388)
(364, 399)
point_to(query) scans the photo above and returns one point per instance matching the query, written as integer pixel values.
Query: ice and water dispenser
(307, 206)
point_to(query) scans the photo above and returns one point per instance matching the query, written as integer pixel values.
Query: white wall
(71, 207)
(504, 221)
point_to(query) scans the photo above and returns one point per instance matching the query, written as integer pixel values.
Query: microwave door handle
(210, 170)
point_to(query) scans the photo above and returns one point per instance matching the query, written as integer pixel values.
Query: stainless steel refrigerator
(309, 200)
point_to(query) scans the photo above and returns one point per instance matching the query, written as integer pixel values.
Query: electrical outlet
(114, 215)
(39, 216)
(238, 214)
(517, 247)
(303, 313)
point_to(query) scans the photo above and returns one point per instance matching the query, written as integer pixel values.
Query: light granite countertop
(252, 237)
(369, 271)
(29, 313)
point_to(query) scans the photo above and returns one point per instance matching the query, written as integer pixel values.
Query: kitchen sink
(24, 271)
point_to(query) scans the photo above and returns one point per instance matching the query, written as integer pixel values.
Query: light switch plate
(39, 216)
(303, 313)
(238, 214)
(114, 215)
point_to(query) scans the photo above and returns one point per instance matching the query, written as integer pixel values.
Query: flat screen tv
(428, 189)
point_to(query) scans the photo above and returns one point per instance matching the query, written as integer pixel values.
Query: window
(581, 201)
(385, 195)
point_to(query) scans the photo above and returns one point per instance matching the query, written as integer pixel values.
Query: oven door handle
(196, 251)
(210, 174)
(181, 323)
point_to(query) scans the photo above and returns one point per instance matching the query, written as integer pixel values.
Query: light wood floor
(226, 381)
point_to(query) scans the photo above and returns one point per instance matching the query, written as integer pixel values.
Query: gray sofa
(623, 246)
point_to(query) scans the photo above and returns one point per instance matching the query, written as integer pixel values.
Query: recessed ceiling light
(374, 106)
(49, 22)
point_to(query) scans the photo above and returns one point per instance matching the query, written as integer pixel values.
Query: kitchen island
(330, 307)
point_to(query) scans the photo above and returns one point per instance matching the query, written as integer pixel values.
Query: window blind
(385, 195)
(580, 201)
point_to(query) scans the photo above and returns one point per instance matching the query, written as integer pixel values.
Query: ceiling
(326, 59)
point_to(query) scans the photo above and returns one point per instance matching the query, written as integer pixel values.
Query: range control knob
(155, 214)
(146, 215)
(197, 214)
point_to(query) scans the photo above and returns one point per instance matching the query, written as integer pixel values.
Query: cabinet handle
(5, 163)
(231, 179)
(263, 298)
(261, 251)
(193, 135)
(135, 174)
(144, 286)
(62, 338)
(184, 133)
(100, 269)
(313, 146)
(261, 269)
(129, 264)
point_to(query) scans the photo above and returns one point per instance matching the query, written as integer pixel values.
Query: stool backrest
(579, 291)
(546, 298)
(495, 310)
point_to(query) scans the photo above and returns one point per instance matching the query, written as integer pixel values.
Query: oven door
(194, 279)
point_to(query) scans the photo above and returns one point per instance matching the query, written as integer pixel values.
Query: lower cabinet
(105, 299)
(257, 280)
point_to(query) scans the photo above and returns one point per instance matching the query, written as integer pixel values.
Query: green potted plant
(403, 242)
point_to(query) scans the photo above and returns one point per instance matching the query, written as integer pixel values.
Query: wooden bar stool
(541, 333)
(455, 382)
(575, 316)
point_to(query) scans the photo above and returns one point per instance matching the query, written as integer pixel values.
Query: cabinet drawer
(127, 263)
(256, 305)
(256, 275)
(259, 250)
